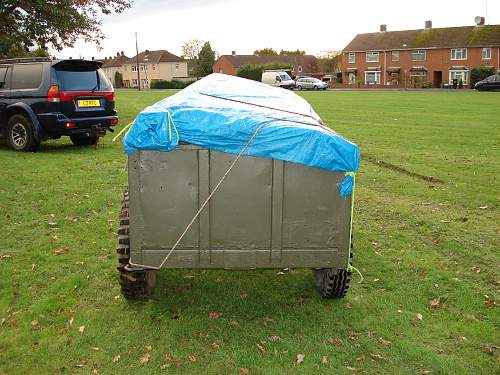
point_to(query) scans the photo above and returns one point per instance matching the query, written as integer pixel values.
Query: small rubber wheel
(136, 284)
(315, 88)
(299, 88)
(20, 134)
(83, 140)
(333, 283)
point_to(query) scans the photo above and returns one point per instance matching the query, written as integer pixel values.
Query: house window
(418, 76)
(372, 78)
(459, 75)
(352, 57)
(134, 68)
(177, 66)
(221, 71)
(486, 53)
(459, 53)
(154, 67)
(372, 56)
(134, 82)
(351, 78)
(418, 55)
(395, 55)
(300, 69)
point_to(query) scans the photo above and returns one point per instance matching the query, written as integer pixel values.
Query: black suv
(42, 98)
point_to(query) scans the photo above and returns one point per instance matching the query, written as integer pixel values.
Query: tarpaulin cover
(222, 112)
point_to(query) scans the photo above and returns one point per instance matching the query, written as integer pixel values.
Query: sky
(315, 26)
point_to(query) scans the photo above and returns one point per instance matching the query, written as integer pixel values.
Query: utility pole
(137, 63)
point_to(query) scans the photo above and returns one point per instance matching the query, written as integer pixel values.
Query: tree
(329, 61)
(190, 51)
(265, 51)
(297, 52)
(25, 24)
(205, 61)
(254, 71)
(479, 73)
(118, 80)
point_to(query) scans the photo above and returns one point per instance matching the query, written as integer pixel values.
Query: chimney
(118, 54)
(122, 53)
(146, 52)
(383, 28)
(92, 58)
(428, 25)
(233, 53)
(71, 58)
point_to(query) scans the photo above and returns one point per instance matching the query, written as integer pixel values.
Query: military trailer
(244, 197)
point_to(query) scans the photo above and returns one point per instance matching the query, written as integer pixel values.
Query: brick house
(431, 57)
(153, 65)
(302, 65)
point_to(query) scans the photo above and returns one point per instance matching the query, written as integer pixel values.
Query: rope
(121, 131)
(350, 267)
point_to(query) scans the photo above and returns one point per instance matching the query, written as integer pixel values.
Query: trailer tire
(138, 283)
(331, 283)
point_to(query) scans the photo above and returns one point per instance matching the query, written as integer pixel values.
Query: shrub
(174, 84)
(479, 73)
(255, 71)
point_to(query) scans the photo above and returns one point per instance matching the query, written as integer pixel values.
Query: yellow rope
(121, 131)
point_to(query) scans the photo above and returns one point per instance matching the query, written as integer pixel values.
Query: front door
(351, 78)
(438, 79)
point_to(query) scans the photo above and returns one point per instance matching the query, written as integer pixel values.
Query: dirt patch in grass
(399, 169)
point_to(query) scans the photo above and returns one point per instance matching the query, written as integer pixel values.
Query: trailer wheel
(136, 284)
(331, 283)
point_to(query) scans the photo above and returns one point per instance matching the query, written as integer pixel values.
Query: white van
(278, 78)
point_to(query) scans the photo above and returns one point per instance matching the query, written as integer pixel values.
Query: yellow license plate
(89, 103)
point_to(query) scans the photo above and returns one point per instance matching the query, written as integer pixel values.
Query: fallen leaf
(233, 323)
(483, 207)
(490, 303)
(216, 345)
(243, 294)
(435, 303)
(361, 358)
(34, 323)
(116, 358)
(171, 361)
(148, 347)
(280, 273)
(383, 341)
(71, 321)
(335, 340)
(423, 371)
(191, 358)
(95, 348)
(145, 358)
(300, 359)
(268, 320)
(376, 356)
(81, 329)
(215, 315)
(244, 371)
(324, 360)
(419, 317)
(274, 338)
(261, 348)
(165, 366)
(13, 322)
(60, 251)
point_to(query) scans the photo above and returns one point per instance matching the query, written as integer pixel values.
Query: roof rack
(24, 60)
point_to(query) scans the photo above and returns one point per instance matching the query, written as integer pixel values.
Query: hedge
(255, 71)
(479, 73)
(174, 84)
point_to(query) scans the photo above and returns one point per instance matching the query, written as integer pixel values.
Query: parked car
(492, 83)
(42, 98)
(278, 78)
(309, 83)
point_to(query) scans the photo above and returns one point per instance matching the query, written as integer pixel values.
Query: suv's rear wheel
(83, 139)
(20, 134)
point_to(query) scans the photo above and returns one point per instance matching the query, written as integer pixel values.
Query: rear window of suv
(86, 80)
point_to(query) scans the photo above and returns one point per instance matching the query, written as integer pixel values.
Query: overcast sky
(244, 26)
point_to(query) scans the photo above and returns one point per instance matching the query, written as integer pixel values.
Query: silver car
(309, 83)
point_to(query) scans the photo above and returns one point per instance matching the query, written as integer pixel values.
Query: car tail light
(109, 95)
(70, 125)
(53, 94)
(113, 121)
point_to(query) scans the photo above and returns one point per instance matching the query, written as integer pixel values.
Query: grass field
(428, 252)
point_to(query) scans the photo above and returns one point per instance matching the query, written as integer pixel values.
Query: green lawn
(416, 242)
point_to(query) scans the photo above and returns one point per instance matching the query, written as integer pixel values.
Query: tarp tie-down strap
(122, 131)
(171, 124)
(350, 267)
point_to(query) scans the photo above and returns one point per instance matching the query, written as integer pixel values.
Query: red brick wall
(436, 60)
(224, 66)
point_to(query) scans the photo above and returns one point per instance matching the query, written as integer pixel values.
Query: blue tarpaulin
(223, 112)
